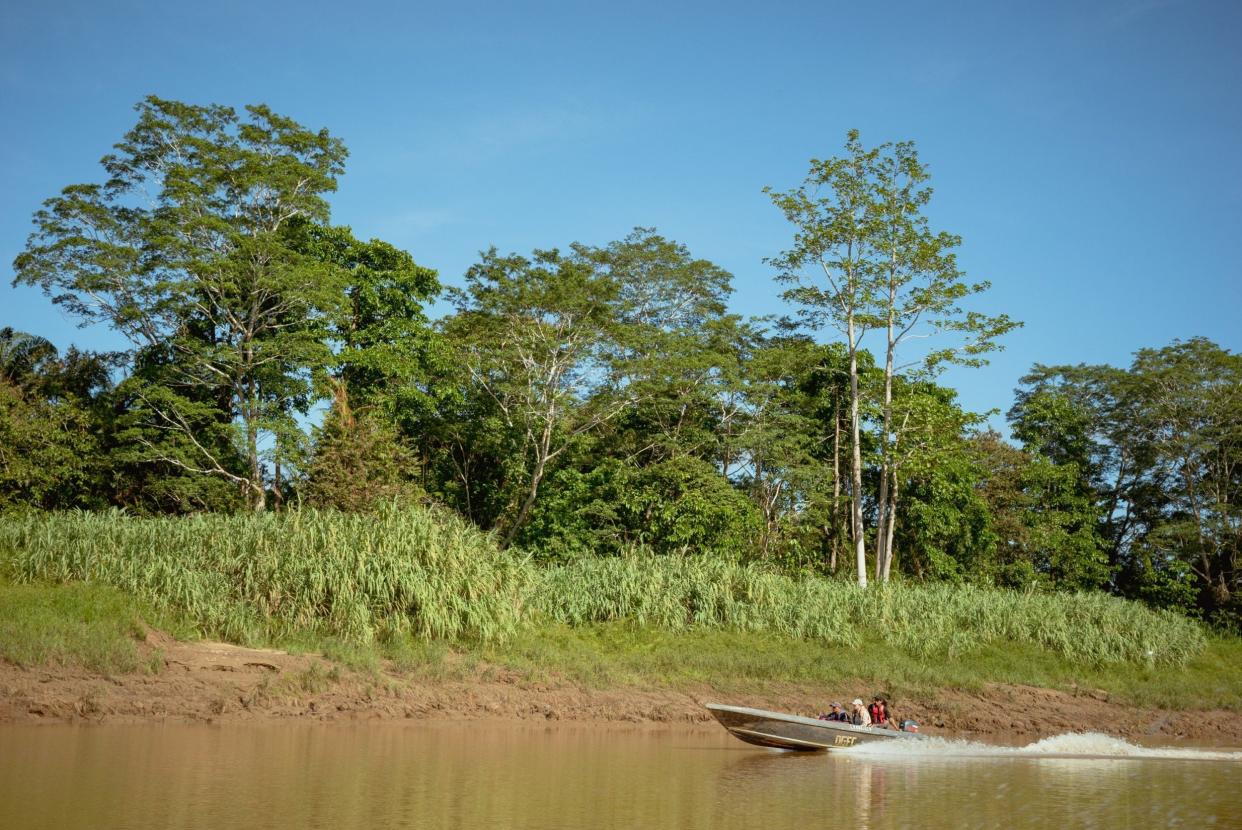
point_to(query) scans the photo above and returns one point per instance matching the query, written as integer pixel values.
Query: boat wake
(1069, 745)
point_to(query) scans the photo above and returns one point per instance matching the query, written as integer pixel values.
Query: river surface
(484, 775)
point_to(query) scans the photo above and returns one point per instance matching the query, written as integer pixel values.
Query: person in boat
(878, 711)
(858, 714)
(908, 725)
(837, 714)
(881, 715)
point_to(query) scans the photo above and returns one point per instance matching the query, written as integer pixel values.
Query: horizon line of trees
(586, 400)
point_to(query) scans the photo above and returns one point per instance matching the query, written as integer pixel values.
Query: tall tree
(1046, 526)
(673, 336)
(386, 346)
(920, 290)
(561, 346)
(785, 444)
(831, 267)
(1193, 392)
(875, 264)
(185, 250)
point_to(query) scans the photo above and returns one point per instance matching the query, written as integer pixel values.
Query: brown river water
(498, 775)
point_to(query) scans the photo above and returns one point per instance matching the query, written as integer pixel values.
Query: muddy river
(480, 775)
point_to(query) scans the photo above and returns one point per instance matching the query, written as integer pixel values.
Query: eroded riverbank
(221, 683)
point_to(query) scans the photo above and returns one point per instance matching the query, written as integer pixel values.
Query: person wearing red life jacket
(878, 710)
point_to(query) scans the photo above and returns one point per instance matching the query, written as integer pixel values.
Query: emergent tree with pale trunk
(863, 258)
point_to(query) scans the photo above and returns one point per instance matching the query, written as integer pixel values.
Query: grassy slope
(92, 626)
(619, 654)
(97, 628)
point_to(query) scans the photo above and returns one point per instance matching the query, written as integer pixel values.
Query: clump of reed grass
(681, 593)
(272, 577)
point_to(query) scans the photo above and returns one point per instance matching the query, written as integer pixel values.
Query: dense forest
(586, 401)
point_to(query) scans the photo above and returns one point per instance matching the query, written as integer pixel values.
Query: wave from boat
(1068, 745)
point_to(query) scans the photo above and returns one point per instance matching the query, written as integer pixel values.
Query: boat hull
(780, 731)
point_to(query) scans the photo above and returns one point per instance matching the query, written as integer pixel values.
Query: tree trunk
(278, 498)
(860, 544)
(885, 517)
(881, 521)
(542, 453)
(257, 497)
(527, 504)
(835, 526)
(890, 529)
(830, 532)
(250, 414)
(893, 492)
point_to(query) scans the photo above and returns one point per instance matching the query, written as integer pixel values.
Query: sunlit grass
(92, 626)
(361, 584)
(257, 579)
(621, 654)
(937, 619)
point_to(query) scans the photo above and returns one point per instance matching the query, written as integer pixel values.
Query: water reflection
(474, 775)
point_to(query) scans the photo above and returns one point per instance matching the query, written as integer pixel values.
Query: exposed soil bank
(215, 682)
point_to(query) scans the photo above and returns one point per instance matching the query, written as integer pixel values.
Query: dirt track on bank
(220, 683)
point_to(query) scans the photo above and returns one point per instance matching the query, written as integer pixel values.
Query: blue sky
(1087, 153)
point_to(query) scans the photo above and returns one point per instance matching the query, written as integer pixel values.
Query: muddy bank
(220, 683)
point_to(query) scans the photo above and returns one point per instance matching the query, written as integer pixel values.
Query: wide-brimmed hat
(858, 701)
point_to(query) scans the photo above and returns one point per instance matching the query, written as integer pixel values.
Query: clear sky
(1089, 153)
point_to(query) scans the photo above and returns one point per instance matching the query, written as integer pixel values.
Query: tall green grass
(936, 619)
(430, 574)
(271, 577)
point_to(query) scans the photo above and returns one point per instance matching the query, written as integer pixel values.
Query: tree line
(592, 399)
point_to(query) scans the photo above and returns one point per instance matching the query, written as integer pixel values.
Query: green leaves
(199, 248)
(681, 506)
(865, 258)
(1157, 449)
(360, 463)
(558, 345)
(385, 346)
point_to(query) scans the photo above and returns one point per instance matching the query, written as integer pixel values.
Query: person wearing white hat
(859, 715)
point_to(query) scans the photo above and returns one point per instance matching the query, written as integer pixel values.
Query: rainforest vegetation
(592, 432)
